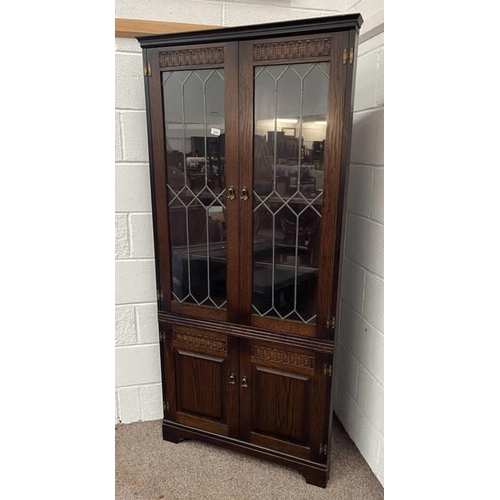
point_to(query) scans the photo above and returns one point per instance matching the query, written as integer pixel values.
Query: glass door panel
(290, 108)
(193, 106)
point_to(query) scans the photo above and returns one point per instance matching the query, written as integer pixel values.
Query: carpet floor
(148, 468)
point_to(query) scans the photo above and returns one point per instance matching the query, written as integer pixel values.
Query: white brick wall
(359, 354)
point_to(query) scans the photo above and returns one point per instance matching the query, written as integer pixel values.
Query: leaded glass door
(195, 173)
(291, 170)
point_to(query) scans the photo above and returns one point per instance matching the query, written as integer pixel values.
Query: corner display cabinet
(249, 135)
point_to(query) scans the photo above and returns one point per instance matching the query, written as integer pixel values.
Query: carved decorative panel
(191, 57)
(286, 358)
(295, 49)
(200, 341)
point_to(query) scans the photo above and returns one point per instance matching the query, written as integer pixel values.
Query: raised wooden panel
(203, 363)
(199, 384)
(282, 401)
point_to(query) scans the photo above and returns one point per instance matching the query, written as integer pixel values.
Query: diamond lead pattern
(192, 99)
(295, 215)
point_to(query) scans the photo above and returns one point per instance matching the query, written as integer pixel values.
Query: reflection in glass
(289, 139)
(194, 124)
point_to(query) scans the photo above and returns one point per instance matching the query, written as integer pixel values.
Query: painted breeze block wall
(358, 367)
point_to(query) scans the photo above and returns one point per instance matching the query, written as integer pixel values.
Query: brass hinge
(159, 295)
(330, 321)
(146, 69)
(348, 55)
(166, 406)
(327, 370)
(344, 56)
(323, 449)
(162, 336)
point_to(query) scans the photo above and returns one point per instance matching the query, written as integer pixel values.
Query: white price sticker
(215, 131)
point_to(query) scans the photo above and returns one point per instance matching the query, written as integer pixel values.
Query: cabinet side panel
(333, 152)
(161, 220)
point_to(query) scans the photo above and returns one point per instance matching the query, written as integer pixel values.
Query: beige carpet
(148, 468)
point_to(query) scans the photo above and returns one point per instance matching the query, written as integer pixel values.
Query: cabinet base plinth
(314, 473)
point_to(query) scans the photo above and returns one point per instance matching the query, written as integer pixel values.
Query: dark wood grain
(284, 412)
(199, 383)
(199, 364)
(199, 311)
(283, 407)
(159, 175)
(267, 30)
(168, 374)
(333, 155)
(246, 127)
(232, 179)
(286, 326)
(319, 345)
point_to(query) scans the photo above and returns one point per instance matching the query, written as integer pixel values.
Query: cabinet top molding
(255, 31)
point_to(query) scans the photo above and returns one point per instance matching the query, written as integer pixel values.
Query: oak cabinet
(249, 133)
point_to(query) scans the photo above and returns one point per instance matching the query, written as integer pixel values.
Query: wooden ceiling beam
(130, 28)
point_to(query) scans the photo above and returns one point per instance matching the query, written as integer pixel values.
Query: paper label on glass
(215, 131)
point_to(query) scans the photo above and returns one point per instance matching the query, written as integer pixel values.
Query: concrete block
(363, 341)
(346, 369)
(178, 11)
(135, 365)
(352, 285)
(118, 138)
(371, 44)
(368, 137)
(366, 81)
(125, 333)
(135, 281)
(122, 250)
(132, 189)
(373, 307)
(379, 94)
(370, 398)
(151, 402)
(359, 190)
(141, 235)
(365, 243)
(377, 208)
(359, 428)
(130, 404)
(147, 323)
(129, 82)
(135, 140)
(127, 45)
(333, 5)
(236, 14)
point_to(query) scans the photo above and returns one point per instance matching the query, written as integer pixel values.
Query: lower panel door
(283, 399)
(201, 373)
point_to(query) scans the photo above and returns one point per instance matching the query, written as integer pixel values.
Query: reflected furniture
(249, 133)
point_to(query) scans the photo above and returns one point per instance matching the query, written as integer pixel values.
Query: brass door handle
(244, 382)
(231, 194)
(232, 379)
(244, 193)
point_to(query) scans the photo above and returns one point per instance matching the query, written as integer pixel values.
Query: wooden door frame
(335, 159)
(192, 57)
